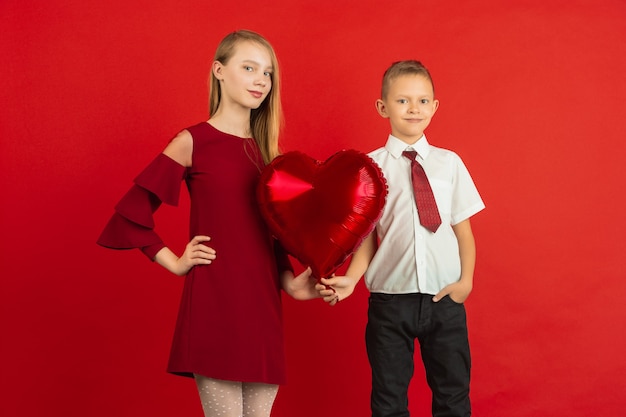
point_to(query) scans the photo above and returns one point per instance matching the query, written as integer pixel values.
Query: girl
(228, 334)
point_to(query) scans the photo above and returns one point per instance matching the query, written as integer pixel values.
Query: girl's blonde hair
(265, 121)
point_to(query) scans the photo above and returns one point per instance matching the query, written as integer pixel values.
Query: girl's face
(410, 105)
(246, 79)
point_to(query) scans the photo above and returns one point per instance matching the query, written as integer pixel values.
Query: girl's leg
(258, 399)
(235, 399)
(220, 398)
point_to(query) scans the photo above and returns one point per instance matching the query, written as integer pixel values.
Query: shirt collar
(396, 146)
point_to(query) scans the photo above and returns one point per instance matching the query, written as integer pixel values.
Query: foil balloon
(322, 211)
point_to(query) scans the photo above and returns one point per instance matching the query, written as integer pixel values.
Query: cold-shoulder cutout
(180, 148)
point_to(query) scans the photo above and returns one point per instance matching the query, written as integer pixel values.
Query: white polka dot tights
(235, 399)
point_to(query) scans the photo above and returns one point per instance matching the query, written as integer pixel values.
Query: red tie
(424, 198)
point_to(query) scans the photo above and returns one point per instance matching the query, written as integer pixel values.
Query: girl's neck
(236, 123)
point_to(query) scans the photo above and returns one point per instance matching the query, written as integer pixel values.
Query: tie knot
(410, 154)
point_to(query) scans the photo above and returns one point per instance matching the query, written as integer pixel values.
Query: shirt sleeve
(132, 224)
(466, 200)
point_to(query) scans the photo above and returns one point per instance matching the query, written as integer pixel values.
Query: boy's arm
(338, 288)
(460, 290)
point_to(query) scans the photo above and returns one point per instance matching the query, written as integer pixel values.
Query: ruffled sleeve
(132, 224)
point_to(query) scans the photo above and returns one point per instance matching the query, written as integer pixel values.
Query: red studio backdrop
(532, 98)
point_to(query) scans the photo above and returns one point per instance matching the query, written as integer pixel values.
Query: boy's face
(409, 106)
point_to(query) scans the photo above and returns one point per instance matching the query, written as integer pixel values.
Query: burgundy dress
(230, 319)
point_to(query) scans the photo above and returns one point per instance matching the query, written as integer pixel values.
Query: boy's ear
(381, 108)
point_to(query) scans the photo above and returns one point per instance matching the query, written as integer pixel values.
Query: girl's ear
(217, 70)
(381, 108)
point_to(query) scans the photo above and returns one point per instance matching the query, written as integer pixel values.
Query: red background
(532, 97)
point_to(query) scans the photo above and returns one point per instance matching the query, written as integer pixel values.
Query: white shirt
(410, 258)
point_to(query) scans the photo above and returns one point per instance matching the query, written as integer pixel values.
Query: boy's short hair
(408, 67)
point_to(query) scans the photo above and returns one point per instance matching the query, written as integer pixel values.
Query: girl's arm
(301, 287)
(180, 149)
(196, 253)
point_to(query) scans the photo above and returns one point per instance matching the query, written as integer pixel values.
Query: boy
(419, 261)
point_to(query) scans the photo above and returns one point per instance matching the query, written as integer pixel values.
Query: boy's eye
(424, 101)
(403, 101)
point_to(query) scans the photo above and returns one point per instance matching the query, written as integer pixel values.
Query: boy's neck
(412, 140)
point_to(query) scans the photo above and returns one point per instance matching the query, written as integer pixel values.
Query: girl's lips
(256, 94)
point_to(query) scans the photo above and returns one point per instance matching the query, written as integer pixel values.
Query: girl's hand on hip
(196, 253)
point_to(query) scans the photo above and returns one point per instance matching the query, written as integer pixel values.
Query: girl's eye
(248, 68)
(267, 74)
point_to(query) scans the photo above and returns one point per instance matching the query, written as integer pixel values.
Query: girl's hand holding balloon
(300, 287)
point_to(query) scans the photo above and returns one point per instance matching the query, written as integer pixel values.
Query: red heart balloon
(322, 211)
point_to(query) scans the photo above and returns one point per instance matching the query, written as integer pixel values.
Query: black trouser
(394, 322)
